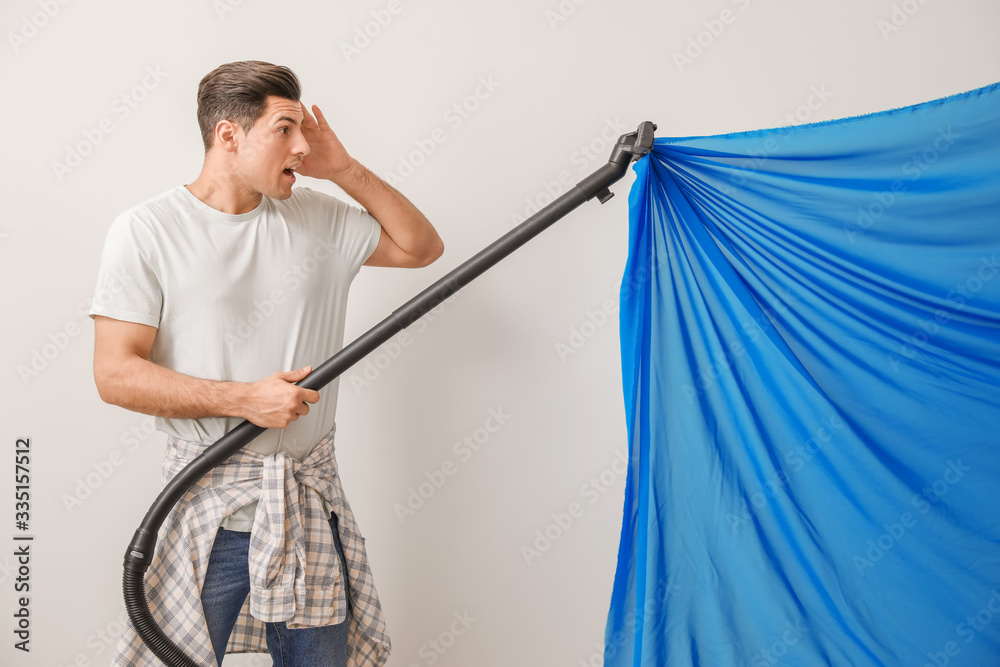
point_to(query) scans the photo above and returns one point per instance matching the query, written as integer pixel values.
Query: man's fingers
(311, 122)
(294, 376)
(320, 118)
(308, 122)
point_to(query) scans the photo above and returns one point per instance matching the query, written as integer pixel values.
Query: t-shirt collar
(216, 214)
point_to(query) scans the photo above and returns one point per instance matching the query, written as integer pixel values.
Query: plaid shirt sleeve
(295, 574)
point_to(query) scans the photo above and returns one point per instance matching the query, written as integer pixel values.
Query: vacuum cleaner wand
(140, 550)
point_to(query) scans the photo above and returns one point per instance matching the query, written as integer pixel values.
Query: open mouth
(289, 174)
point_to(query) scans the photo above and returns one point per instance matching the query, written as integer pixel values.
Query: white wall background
(565, 75)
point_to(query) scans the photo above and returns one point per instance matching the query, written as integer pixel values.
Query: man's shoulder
(304, 197)
(162, 206)
(316, 206)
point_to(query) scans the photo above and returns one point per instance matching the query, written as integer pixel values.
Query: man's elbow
(108, 385)
(427, 255)
(413, 257)
(105, 389)
(432, 253)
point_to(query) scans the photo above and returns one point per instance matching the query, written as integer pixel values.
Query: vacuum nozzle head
(631, 146)
(634, 145)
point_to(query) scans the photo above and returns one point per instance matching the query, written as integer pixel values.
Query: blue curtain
(810, 331)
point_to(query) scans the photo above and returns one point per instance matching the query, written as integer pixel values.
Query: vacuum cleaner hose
(145, 626)
(140, 550)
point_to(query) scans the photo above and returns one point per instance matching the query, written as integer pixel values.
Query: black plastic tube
(140, 550)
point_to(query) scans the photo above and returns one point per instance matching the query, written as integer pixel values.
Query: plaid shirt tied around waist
(295, 572)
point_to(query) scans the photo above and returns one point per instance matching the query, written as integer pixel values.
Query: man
(213, 299)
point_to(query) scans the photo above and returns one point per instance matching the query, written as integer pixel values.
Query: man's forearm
(401, 220)
(142, 386)
(134, 383)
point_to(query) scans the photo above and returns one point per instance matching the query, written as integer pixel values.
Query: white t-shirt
(238, 297)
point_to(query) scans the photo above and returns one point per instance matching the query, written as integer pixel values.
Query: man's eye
(284, 130)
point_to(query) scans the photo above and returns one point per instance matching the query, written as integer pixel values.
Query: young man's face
(272, 149)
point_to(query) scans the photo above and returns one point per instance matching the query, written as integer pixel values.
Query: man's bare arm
(408, 239)
(125, 377)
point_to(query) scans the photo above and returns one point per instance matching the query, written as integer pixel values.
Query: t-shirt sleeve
(127, 286)
(353, 230)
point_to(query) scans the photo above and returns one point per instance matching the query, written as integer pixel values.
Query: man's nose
(302, 146)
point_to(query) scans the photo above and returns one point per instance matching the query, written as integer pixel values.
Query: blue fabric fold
(810, 339)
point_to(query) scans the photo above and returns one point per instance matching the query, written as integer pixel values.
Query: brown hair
(238, 92)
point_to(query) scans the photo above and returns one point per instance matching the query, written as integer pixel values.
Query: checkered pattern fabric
(295, 573)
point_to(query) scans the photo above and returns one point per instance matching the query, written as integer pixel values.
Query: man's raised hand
(327, 157)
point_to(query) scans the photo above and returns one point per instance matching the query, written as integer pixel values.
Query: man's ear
(227, 135)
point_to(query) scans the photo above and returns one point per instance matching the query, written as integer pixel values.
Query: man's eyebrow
(293, 121)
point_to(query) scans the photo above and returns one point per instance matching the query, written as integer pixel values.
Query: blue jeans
(227, 585)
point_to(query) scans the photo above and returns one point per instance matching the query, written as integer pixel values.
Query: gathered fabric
(810, 336)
